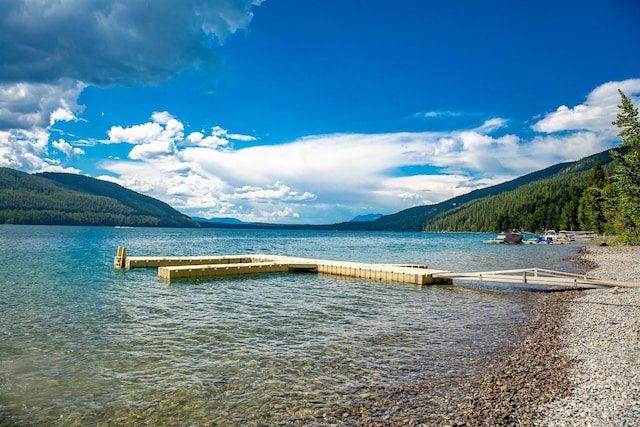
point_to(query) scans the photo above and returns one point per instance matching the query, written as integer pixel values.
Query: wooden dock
(192, 267)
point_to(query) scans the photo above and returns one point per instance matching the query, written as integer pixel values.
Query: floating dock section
(192, 267)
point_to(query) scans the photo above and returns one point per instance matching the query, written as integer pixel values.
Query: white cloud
(595, 114)
(66, 148)
(153, 150)
(239, 137)
(62, 114)
(25, 106)
(277, 191)
(312, 178)
(136, 134)
(439, 114)
(211, 141)
(23, 149)
(161, 137)
(106, 43)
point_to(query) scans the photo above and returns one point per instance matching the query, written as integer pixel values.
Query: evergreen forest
(600, 193)
(68, 199)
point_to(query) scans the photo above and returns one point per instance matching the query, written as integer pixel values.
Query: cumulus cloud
(27, 106)
(316, 176)
(23, 149)
(62, 114)
(107, 43)
(161, 136)
(52, 50)
(66, 148)
(595, 114)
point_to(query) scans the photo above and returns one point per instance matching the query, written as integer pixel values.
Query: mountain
(69, 199)
(546, 198)
(218, 220)
(545, 189)
(368, 217)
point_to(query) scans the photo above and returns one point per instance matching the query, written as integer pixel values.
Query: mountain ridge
(69, 199)
(52, 198)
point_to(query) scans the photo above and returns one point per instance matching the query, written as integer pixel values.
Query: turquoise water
(84, 344)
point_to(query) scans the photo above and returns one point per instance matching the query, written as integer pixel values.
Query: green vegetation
(624, 191)
(599, 193)
(67, 199)
(549, 198)
(550, 203)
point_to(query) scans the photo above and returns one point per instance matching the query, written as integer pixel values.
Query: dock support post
(120, 260)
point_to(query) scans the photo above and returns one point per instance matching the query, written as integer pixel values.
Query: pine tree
(591, 211)
(626, 178)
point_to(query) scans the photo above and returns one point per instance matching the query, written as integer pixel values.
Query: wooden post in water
(120, 260)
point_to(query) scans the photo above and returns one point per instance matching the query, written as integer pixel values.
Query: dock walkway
(192, 267)
(170, 268)
(538, 276)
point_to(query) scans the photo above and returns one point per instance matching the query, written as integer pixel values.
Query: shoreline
(601, 335)
(578, 364)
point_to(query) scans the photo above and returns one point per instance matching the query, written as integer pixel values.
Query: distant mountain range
(220, 220)
(546, 189)
(59, 198)
(232, 221)
(365, 218)
(69, 199)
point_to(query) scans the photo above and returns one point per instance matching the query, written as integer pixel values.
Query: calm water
(84, 344)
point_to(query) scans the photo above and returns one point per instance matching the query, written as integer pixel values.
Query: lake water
(82, 343)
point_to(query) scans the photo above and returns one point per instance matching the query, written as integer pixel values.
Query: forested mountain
(544, 199)
(68, 199)
(549, 198)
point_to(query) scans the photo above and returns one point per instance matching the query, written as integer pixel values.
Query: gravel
(578, 365)
(601, 334)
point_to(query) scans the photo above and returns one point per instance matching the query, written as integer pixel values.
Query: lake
(82, 343)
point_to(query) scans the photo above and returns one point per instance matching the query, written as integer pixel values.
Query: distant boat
(509, 238)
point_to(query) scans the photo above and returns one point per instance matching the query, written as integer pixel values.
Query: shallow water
(84, 344)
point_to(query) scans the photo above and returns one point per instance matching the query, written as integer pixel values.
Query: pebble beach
(600, 335)
(578, 365)
(580, 362)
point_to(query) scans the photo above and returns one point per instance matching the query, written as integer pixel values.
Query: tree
(591, 211)
(626, 177)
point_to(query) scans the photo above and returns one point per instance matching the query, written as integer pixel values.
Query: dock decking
(192, 267)
(170, 268)
(538, 276)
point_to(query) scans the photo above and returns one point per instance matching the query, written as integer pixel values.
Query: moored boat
(509, 238)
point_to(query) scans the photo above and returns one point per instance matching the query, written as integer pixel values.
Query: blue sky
(309, 111)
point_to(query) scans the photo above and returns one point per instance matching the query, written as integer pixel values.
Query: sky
(310, 111)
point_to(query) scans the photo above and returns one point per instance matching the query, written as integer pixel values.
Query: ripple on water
(262, 348)
(92, 345)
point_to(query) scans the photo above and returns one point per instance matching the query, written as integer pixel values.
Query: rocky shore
(580, 362)
(601, 335)
(578, 365)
